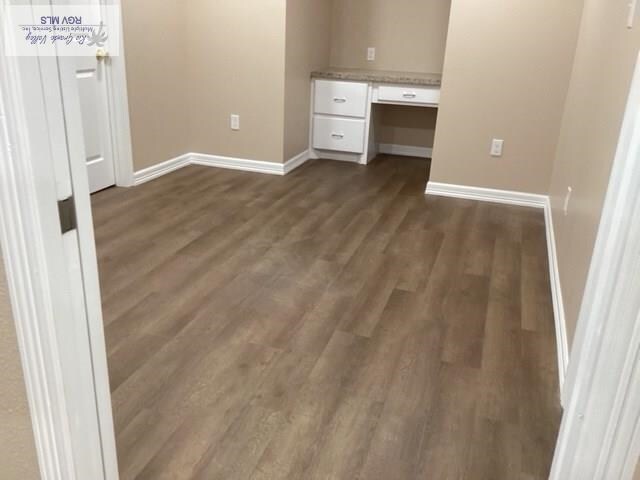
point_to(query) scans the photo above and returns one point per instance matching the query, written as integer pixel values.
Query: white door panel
(91, 77)
(72, 327)
(85, 83)
(75, 353)
(88, 90)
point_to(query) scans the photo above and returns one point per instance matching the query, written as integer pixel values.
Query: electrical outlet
(235, 122)
(371, 54)
(497, 146)
(567, 199)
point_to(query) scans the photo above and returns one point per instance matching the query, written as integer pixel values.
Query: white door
(80, 332)
(91, 76)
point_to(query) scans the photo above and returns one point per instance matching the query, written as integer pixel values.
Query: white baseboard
(155, 171)
(526, 200)
(258, 166)
(487, 194)
(562, 341)
(297, 161)
(232, 163)
(405, 150)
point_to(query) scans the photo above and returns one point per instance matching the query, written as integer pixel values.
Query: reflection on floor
(331, 324)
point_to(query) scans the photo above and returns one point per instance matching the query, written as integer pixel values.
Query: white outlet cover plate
(497, 146)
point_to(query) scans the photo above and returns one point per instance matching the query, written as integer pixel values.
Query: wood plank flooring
(331, 324)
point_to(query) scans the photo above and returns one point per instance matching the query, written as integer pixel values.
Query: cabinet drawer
(341, 98)
(409, 94)
(340, 134)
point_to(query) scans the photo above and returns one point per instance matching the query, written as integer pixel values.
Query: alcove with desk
(381, 92)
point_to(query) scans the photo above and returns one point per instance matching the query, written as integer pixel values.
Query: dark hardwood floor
(331, 324)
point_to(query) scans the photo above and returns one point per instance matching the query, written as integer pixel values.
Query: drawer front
(341, 98)
(340, 134)
(409, 94)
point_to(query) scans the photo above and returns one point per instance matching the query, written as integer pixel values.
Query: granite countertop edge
(406, 78)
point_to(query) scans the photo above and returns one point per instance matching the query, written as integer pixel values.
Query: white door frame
(21, 237)
(32, 145)
(600, 433)
(119, 111)
(28, 216)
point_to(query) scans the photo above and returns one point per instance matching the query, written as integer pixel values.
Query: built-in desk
(342, 99)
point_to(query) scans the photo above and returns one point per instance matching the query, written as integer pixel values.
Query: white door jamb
(119, 111)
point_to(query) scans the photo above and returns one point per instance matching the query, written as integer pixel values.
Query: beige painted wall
(506, 74)
(190, 65)
(17, 448)
(409, 35)
(308, 45)
(235, 56)
(604, 64)
(155, 46)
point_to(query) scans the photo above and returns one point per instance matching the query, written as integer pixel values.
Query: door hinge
(67, 211)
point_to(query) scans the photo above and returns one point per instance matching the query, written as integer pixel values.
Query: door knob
(102, 54)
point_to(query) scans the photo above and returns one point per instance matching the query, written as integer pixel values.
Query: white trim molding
(533, 200)
(232, 163)
(405, 150)
(487, 194)
(258, 166)
(119, 115)
(297, 161)
(562, 341)
(155, 171)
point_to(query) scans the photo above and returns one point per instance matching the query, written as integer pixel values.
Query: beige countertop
(379, 76)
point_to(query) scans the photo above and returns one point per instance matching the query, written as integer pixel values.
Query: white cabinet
(347, 99)
(341, 126)
(340, 111)
(339, 134)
